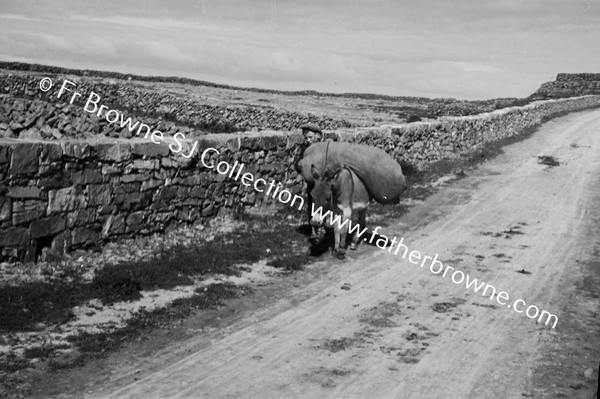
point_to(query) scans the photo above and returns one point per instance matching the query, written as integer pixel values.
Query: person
(312, 134)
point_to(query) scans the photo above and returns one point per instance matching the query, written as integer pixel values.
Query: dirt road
(378, 326)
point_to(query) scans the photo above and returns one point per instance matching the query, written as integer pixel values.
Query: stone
(99, 194)
(193, 180)
(81, 217)
(210, 210)
(14, 237)
(187, 213)
(47, 226)
(106, 209)
(5, 209)
(87, 176)
(58, 179)
(219, 191)
(177, 161)
(16, 127)
(62, 242)
(25, 158)
(198, 192)
(48, 131)
(26, 211)
(4, 155)
(134, 221)
(271, 142)
(85, 236)
(160, 217)
(110, 170)
(150, 184)
(150, 164)
(118, 152)
(234, 144)
(76, 150)
(20, 192)
(250, 143)
(167, 193)
(31, 134)
(168, 163)
(191, 201)
(115, 224)
(127, 188)
(133, 200)
(51, 152)
(134, 178)
(65, 199)
(183, 192)
(150, 149)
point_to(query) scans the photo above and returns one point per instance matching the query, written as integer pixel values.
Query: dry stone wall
(67, 193)
(570, 85)
(153, 105)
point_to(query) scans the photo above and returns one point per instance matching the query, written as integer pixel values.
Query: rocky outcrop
(569, 85)
(75, 193)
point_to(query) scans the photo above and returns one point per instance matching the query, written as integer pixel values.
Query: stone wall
(66, 194)
(152, 105)
(569, 85)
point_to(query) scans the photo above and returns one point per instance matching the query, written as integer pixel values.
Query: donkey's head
(323, 193)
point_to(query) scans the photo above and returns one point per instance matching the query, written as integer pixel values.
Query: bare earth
(398, 331)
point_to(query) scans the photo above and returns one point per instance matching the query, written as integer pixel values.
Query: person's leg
(314, 231)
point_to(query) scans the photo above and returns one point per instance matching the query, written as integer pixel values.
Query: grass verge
(33, 306)
(94, 345)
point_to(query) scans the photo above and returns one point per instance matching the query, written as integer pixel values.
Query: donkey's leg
(336, 237)
(341, 232)
(362, 223)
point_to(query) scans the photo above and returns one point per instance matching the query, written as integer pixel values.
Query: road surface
(378, 326)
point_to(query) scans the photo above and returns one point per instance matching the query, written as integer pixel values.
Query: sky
(476, 49)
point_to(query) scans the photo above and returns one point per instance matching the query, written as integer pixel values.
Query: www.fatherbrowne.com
(437, 267)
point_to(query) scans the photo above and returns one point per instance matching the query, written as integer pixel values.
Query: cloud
(18, 17)
(155, 51)
(473, 67)
(310, 67)
(140, 22)
(438, 48)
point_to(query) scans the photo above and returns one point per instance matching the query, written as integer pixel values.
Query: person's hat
(312, 127)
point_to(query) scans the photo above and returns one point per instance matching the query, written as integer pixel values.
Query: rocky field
(196, 108)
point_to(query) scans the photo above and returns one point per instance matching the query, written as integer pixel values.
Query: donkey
(340, 192)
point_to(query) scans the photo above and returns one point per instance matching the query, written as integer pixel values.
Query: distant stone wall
(425, 142)
(153, 105)
(570, 85)
(67, 194)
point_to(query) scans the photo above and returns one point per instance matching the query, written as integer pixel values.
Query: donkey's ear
(314, 172)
